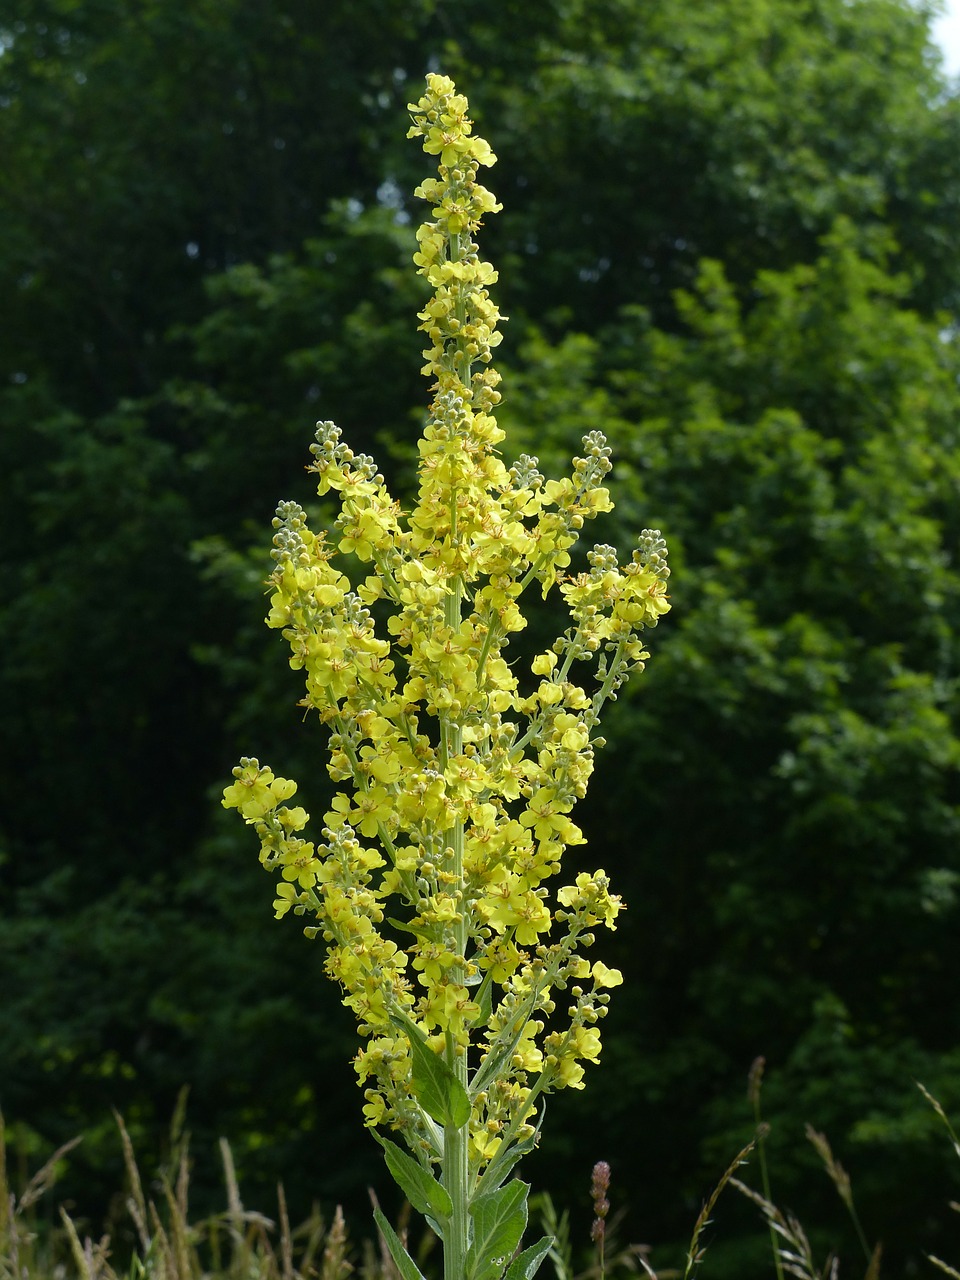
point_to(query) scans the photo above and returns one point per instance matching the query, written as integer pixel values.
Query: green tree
(200, 236)
(792, 848)
(653, 135)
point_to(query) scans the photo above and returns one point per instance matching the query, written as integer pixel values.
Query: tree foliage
(799, 830)
(728, 242)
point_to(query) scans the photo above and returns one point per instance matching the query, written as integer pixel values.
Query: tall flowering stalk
(429, 881)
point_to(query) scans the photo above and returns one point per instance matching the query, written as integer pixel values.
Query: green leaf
(484, 998)
(438, 1090)
(499, 1220)
(506, 1158)
(408, 928)
(405, 1264)
(423, 1191)
(497, 1173)
(526, 1265)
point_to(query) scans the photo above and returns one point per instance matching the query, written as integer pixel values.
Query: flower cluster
(456, 779)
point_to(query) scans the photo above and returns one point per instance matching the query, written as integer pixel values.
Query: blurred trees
(782, 784)
(729, 241)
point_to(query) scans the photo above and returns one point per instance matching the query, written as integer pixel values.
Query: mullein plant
(429, 881)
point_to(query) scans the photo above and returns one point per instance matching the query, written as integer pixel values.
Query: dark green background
(730, 240)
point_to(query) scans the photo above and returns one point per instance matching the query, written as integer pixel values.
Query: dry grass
(243, 1244)
(236, 1244)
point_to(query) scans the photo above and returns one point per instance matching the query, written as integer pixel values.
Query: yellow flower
(484, 1144)
(604, 977)
(513, 904)
(543, 664)
(543, 815)
(288, 895)
(461, 768)
(300, 864)
(568, 1074)
(374, 1109)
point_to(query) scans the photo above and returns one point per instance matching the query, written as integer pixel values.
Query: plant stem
(761, 1132)
(455, 1164)
(456, 1140)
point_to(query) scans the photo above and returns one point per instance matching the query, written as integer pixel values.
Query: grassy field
(150, 1233)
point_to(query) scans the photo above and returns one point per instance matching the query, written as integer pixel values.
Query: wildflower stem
(762, 1130)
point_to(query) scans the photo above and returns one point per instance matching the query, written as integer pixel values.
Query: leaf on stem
(499, 1220)
(424, 1192)
(438, 1090)
(507, 1157)
(525, 1265)
(405, 1264)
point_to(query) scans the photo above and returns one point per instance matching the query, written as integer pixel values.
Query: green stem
(455, 1169)
(855, 1218)
(613, 671)
(362, 783)
(507, 1137)
(765, 1180)
(457, 1139)
(492, 630)
(455, 1164)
